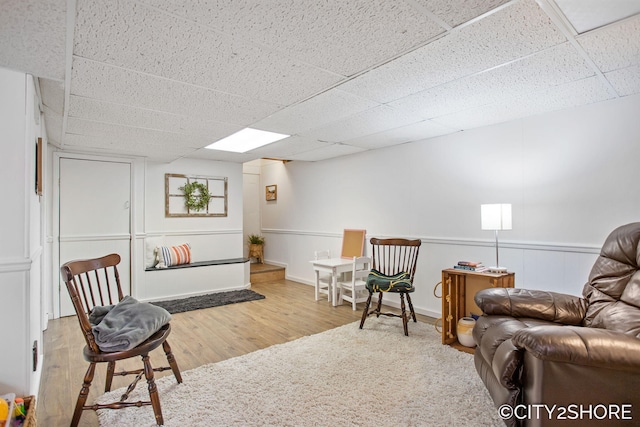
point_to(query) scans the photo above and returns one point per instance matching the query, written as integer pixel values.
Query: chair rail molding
(187, 233)
(92, 237)
(524, 245)
(15, 265)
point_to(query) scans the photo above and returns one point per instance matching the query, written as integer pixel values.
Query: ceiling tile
(99, 111)
(114, 146)
(133, 135)
(328, 152)
(364, 123)
(511, 33)
(413, 132)
(139, 90)
(342, 36)
(586, 15)
(325, 108)
(222, 156)
(573, 94)
(33, 37)
(625, 81)
(554, 66)
(456, 12)
(615, 46)
(147, 40)
(287, 147)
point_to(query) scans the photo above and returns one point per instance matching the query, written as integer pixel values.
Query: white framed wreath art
(194, 195)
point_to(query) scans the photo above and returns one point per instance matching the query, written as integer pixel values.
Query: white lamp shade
(496, 216)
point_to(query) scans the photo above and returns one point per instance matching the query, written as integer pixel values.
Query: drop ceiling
(162, 79)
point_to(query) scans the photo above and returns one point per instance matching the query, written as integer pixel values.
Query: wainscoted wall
(211, 238)
(565, 267)
(21, 236)
(570, 175)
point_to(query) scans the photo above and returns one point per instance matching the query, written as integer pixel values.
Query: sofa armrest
(581, 346)
(543, 305)
(506, 365)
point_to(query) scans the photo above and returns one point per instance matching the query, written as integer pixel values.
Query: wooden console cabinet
(458, 289)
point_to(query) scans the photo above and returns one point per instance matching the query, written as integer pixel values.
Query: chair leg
(413, 313)
(379, 309)
(365, 312)
(404, 315)
(172, 361)
(153, 390)
(111, 368)
(84, 392)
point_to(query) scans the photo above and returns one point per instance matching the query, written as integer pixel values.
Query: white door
(95, 219)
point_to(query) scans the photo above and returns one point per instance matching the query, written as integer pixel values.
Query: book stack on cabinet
(471, 266)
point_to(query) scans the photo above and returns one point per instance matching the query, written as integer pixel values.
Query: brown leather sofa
(538, 349)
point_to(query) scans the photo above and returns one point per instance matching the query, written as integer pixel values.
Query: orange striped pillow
(175, 255)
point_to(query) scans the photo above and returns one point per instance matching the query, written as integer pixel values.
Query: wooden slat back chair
(95, 282)
(391, 257)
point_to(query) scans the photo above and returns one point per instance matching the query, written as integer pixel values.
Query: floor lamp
(496, 217)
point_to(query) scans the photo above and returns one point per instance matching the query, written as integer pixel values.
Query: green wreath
(196, 196)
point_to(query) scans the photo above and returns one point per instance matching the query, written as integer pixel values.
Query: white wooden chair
(355, 290)
(323, 282)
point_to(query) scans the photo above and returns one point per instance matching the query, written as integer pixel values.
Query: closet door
(95, 220)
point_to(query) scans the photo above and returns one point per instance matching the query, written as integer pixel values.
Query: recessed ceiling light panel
(246, 140)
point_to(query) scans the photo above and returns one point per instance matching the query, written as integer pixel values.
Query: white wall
(211, 238)
(571, 176)
(21, 235)
(252, 194)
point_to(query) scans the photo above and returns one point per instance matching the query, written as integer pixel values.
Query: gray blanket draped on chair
(123, 326)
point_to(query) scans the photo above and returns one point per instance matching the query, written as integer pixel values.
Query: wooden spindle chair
(95, 282)
(391, 257)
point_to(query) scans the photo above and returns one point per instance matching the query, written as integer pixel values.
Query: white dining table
(335, 267)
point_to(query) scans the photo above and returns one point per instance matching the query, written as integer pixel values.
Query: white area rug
(341, 377)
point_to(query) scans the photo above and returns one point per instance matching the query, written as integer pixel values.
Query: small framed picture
(271, 192)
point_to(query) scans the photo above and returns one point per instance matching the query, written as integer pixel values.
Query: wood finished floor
(288, 312)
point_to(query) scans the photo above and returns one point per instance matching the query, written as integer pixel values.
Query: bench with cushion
(177, 274)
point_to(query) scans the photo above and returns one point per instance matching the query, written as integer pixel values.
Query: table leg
(317, 285)
(334, 288)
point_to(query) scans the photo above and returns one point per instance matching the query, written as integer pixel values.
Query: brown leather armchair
(538, 349)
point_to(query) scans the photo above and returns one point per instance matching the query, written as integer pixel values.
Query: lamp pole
(497, 261)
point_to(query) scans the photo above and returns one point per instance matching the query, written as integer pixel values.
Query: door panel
(94, 216)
